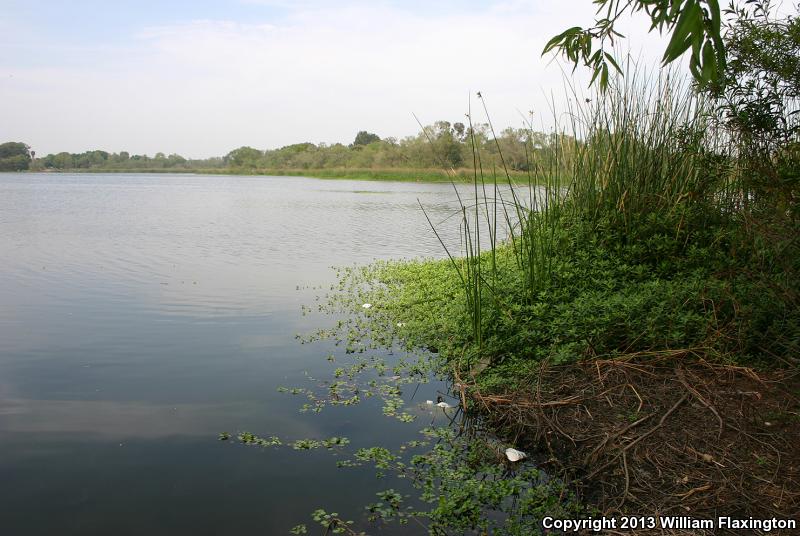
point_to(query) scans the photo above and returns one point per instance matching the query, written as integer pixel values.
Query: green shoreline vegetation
(438, 153)
(635, 329)
(610, 335)
(462, 175)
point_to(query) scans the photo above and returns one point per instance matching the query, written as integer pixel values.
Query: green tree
(759, 98)
(14, 156)
(365, 138)
(245, 157)
(444, 143)
(761, 83)
(175, 160)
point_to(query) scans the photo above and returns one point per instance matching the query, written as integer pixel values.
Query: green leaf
(675, 7)
(709, 69)
(604, 77)
(560, 37)
(683, 32)
(613, 62)
(716, 18)
(595, 75)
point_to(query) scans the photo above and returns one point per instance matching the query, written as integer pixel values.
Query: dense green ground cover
(713, 292)
(661, 241)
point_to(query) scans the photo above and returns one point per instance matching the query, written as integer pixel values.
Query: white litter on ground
(515, 455)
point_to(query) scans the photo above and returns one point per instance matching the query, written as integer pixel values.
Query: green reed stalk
(633, 164)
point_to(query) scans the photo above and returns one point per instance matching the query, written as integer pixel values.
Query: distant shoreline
(400, 175)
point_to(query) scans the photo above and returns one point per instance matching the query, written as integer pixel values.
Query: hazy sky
(200, 78)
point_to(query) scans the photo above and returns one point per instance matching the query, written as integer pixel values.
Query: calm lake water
(141, 315)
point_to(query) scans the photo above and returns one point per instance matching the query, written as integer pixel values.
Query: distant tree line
(99, 160)
(441, 145)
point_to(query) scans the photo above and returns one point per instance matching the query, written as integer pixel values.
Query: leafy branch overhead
(695, 27)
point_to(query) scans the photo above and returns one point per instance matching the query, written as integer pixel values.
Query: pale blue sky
(201, 78)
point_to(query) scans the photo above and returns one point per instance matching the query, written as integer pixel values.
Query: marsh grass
(461, 175)
(639, 164)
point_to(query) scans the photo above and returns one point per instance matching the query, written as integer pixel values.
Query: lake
(142, 315)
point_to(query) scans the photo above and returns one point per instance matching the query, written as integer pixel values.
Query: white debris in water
(444, 405)
(429, 402)
(515, 455)
(367, 305)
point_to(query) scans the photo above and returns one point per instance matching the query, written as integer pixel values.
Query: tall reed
(644, 154)
(631, 161)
